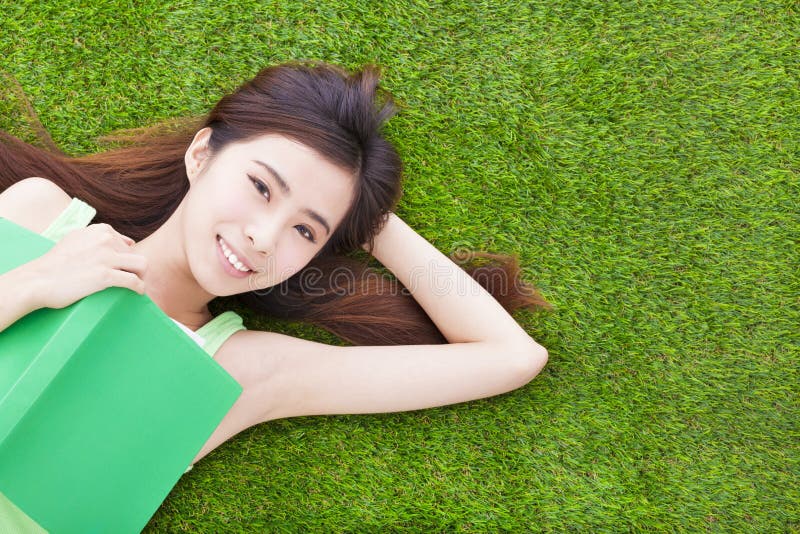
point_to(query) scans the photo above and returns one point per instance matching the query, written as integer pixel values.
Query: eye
(260, 186)
(305, 232)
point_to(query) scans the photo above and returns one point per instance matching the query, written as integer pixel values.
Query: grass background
(641, 158)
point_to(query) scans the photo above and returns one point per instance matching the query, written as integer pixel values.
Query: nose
(263, 237)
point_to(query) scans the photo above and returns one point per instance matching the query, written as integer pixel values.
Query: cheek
(210, 206)
(292, 256)
(232, 201)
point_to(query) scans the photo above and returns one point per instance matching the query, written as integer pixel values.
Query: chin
(212, 283)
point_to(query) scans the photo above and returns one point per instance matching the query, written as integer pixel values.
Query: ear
(198, 153)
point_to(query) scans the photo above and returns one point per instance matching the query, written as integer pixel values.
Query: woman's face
(273, 201)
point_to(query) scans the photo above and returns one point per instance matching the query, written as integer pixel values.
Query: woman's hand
(85, 261)
(461, 309)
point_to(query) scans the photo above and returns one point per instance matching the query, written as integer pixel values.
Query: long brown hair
(136, 187)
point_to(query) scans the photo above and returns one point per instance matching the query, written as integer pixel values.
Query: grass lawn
(641, 158)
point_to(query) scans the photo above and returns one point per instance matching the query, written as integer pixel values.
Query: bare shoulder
(33, 203)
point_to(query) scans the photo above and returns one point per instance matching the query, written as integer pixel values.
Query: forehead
(314, 182)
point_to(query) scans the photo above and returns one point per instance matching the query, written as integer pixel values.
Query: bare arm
(32, 203)
(18, 296)
(461, 309)
(78, 267)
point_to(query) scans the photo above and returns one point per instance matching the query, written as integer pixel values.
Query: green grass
(642, 160)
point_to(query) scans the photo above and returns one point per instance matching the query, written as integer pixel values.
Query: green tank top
(210, 336)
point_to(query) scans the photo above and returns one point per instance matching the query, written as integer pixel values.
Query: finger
(120, 243)
(128, 280)
(125, 238)
(131, 262)
(105, 227)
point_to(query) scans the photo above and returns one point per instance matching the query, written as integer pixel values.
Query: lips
(226, 265)
(239, 255)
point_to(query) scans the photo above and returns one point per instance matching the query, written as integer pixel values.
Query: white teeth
(232, 258)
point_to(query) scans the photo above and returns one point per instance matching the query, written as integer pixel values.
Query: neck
(169, 281)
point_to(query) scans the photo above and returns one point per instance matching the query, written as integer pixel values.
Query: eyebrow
(287, 191)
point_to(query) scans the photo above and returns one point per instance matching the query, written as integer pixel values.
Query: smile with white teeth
(232, 259)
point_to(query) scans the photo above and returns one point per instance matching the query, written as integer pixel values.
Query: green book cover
(103, 405)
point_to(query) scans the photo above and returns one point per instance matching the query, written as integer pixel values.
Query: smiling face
(273, 201)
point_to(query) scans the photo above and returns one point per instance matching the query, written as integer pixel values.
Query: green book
(103, 405)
